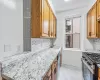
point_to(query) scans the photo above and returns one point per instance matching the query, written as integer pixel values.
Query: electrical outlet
(7, 48)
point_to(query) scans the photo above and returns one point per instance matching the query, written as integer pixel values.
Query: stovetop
(95, 57)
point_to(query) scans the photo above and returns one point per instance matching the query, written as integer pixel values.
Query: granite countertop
(31, 66)
(92, 51)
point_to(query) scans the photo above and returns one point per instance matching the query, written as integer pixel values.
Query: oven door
(88, 72)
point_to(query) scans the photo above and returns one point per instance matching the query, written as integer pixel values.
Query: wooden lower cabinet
(52, 73)
(2, 79)
(48, 75)
(98, 78)
(99, 74)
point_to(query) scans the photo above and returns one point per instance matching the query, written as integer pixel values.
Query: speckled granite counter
(31, 66)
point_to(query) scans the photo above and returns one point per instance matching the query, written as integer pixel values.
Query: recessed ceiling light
(66, 0)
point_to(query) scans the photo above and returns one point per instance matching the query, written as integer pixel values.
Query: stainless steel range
(89, 65)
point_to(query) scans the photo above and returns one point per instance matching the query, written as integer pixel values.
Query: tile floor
(69, 74)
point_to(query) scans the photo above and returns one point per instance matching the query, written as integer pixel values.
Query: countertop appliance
(89, 65)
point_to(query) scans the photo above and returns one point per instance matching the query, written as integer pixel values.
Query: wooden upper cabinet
(41, 19)
(98, 9)
(36, 18)
(98, 18)
(51, 24)
(92, 22)
(55, 22)
(50, 28)
(89, 25)
(45, 19)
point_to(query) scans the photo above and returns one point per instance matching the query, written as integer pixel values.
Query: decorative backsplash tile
(40, 44)
(97, 44)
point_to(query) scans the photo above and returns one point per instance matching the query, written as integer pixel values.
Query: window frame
(71, 18)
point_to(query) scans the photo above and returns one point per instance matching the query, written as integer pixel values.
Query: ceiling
(61, 5)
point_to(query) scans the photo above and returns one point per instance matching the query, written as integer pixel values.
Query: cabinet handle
(96, 34)
(89, 33)
(51, 33)
(55, 71)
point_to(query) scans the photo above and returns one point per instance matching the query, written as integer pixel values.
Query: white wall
(71, 57)
(61, 24)
(52, 6)
(11, 18)
(91, 3)
(1, 48)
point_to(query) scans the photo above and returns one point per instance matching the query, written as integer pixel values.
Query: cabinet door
(98, 18)
(93, 22)
(51, 23)
(98, 78)
(98, 9)
(54, 70)
(89, 25)
(45, 20)
(54, 26)
(48, 75)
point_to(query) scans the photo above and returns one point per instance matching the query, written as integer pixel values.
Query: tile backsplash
(96, 45)
(38, 44)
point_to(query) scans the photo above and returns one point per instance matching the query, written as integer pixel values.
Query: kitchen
(49, 39)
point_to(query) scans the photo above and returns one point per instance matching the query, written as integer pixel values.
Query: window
(72, 32)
